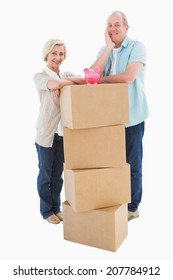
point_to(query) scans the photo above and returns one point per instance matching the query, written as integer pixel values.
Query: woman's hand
(55, 93)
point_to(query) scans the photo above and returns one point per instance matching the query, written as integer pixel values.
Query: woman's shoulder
(40, 76)
(41, 79)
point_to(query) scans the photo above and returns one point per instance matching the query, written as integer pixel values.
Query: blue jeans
(134, 154)
(49, 180)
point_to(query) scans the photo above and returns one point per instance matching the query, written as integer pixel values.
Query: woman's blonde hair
(49, 45)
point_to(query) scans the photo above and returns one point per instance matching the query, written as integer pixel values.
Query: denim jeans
(49, 180)
(134, 155)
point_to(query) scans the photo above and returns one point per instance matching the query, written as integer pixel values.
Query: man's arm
(102, 59)
(128, 76)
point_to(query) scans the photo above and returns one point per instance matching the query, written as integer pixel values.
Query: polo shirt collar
(125, 42)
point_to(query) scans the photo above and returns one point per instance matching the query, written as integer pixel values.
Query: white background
(24, 28)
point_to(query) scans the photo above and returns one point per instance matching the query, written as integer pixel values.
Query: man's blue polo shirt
(131, 51)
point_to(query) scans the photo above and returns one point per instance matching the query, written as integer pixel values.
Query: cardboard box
(94, 147)
(88, 189)
(85, 106)
(104, 228)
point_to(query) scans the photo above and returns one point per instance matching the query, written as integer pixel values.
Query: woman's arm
(57, 84)
(76, 80)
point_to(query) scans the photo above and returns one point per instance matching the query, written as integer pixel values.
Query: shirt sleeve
(41, 80)
(138, 53)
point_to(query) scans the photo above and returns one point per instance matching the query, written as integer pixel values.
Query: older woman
(49, 141)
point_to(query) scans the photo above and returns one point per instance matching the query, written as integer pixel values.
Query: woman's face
(56, 57)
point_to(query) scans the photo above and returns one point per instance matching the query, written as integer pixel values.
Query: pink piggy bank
(92, 76)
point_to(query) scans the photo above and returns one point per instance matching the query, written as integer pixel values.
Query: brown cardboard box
(104, 228)
(94, 147)
(85, 106)
(88, 189)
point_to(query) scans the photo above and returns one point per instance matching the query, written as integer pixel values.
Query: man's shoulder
(139, 43)
(134, 46)
(131, 42)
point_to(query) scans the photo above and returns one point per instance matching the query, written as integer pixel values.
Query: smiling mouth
(114, 33)
(57, 62)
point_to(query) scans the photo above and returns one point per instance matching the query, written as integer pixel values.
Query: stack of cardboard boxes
(96, 175)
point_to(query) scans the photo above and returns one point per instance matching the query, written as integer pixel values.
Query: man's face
(116, 28)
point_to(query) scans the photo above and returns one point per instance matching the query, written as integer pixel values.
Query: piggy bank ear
(86, 70)
(97, 70)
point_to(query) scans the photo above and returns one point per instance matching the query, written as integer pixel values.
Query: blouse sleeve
(41, 80)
